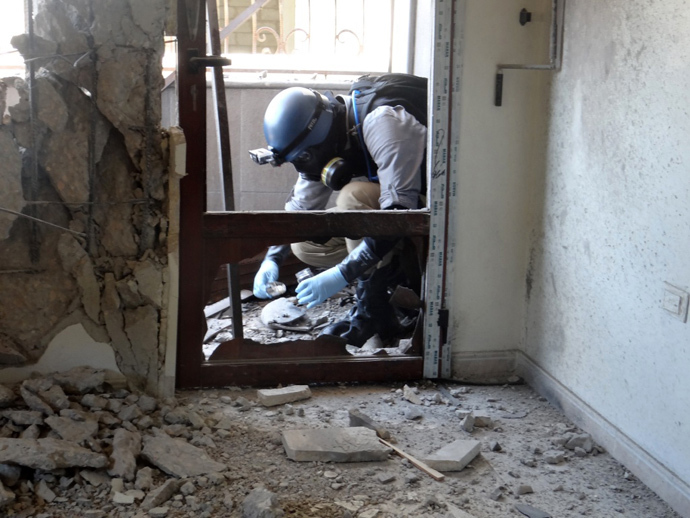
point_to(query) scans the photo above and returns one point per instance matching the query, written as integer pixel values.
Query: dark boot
(373, 314)
(337, 328)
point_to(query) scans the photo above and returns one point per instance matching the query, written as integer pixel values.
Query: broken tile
(357, 444)
(280, 396)
(454, 456)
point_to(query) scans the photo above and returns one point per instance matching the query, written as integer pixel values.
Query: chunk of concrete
(126, 448)
(70, 430)
(80, 380)
(357, 418)
(178, 458)
(48, 454)
(454, 456)
(161, 494)
(280, 396)
(356, 444)
(411, 396)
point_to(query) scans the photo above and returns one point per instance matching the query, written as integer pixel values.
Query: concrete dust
(530, 455)
(518, 431)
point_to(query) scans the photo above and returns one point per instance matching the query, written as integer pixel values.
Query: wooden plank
(303, 225)
(271, 371)
(416, 462)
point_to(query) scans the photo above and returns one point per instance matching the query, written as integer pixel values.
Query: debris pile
(64, 432)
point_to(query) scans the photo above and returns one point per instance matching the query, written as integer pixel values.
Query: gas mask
(330, 162)
(319, 165)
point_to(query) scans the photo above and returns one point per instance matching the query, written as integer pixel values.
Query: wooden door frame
(209, 240)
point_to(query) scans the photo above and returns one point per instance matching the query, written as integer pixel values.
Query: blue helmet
(296, 119)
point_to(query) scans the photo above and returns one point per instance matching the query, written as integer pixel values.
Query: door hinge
(443, 319)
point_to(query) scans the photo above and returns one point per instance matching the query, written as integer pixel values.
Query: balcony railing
(315, 37)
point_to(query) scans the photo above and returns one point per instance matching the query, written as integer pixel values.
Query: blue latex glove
(316, 289)
(268, 272)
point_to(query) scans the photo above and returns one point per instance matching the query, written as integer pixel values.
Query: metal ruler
(442, 162)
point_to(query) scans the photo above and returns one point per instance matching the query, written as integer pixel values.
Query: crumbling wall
(83, 184)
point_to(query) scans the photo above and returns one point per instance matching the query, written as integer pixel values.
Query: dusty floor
(520, 434)
(528, 430)
(524, 425)
(525, 459)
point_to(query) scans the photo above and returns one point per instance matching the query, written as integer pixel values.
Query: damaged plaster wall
(83, 150)
(616, 228)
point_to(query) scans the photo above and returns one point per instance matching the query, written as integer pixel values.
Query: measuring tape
(442, 163)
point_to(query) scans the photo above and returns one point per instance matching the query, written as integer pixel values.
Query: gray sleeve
(396, 142)
(308, 195)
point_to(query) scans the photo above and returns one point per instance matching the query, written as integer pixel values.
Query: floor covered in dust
(524, 458)
(523, 425)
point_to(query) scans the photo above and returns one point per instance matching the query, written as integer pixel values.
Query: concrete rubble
(119, 440)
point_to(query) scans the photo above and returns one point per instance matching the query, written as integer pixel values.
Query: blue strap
(355, 93)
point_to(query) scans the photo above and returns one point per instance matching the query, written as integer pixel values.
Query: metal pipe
(555, 51)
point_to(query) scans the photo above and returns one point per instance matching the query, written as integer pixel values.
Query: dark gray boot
(373, 313)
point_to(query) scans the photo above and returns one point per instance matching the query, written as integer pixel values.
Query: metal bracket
(556, 46)
(525, 17)
(196, 61)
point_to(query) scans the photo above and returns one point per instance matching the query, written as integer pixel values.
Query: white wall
(616, 226)
(501, 159)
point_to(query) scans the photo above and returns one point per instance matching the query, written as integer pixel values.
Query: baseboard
(674, 491)
(492, 367)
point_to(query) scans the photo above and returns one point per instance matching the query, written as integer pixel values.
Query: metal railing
(311, 36)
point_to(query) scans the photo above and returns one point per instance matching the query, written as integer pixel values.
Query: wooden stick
(418, 463)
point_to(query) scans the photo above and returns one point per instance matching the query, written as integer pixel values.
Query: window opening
(277, 40)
